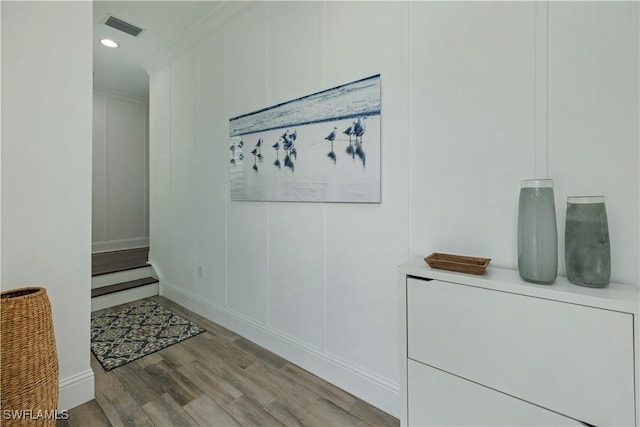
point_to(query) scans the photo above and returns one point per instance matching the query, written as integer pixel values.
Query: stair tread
(112, 262)
(118, 287)
(119, 269)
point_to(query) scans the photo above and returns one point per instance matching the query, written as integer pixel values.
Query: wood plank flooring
(218, 378)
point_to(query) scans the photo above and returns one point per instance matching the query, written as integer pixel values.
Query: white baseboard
(119, 245)
(364, 384)
(76, 390)
(158, 274)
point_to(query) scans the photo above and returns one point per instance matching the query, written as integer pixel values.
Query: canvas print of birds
(322, 147)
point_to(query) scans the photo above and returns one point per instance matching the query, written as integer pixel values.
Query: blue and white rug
(122, 336)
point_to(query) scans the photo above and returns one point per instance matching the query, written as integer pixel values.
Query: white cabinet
(494, 350)
(432, 392)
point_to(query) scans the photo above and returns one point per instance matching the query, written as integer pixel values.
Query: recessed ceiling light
(109, 43)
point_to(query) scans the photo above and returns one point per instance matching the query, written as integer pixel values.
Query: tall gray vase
(587, 251)
(537, 232)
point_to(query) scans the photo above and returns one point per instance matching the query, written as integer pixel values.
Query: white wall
(310, 281)
(594, 139)
(471, 124)
(492, 106)
(120, 172)
(474, 100)
(46, 171)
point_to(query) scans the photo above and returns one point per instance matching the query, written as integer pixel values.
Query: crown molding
(213, 21)
(119, 94)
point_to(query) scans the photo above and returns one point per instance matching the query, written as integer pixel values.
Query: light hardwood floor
(218, 378)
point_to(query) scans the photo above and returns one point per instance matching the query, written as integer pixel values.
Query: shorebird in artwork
(276, 146)
(288, 142)
(287, 145)
(332, 136)
(259, 148)
(232, 152)
(350, 130)
(360, 128)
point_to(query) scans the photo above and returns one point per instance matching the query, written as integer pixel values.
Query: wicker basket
(28, 359)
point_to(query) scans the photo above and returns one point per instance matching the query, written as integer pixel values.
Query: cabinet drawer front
(572, 359)
(440, 399)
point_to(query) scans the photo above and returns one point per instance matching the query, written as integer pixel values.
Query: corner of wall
(76, 390)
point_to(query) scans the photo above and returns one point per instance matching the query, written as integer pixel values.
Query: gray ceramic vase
(587, 251)
(537, 232)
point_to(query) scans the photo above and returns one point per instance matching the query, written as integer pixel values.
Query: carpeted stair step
(118, 287)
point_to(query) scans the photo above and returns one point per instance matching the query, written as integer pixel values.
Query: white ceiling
(120, 69)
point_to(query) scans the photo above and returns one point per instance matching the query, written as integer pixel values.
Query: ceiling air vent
(125, 27)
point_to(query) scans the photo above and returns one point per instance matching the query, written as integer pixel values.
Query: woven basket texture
(28, 358)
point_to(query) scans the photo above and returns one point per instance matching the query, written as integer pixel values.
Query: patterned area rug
(122, 336)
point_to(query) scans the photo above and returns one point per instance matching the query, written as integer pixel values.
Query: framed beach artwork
(323, 147)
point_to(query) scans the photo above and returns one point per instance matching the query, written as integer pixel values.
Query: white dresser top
(618, 297)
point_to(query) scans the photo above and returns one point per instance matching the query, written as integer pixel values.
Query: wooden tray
(459, 263)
